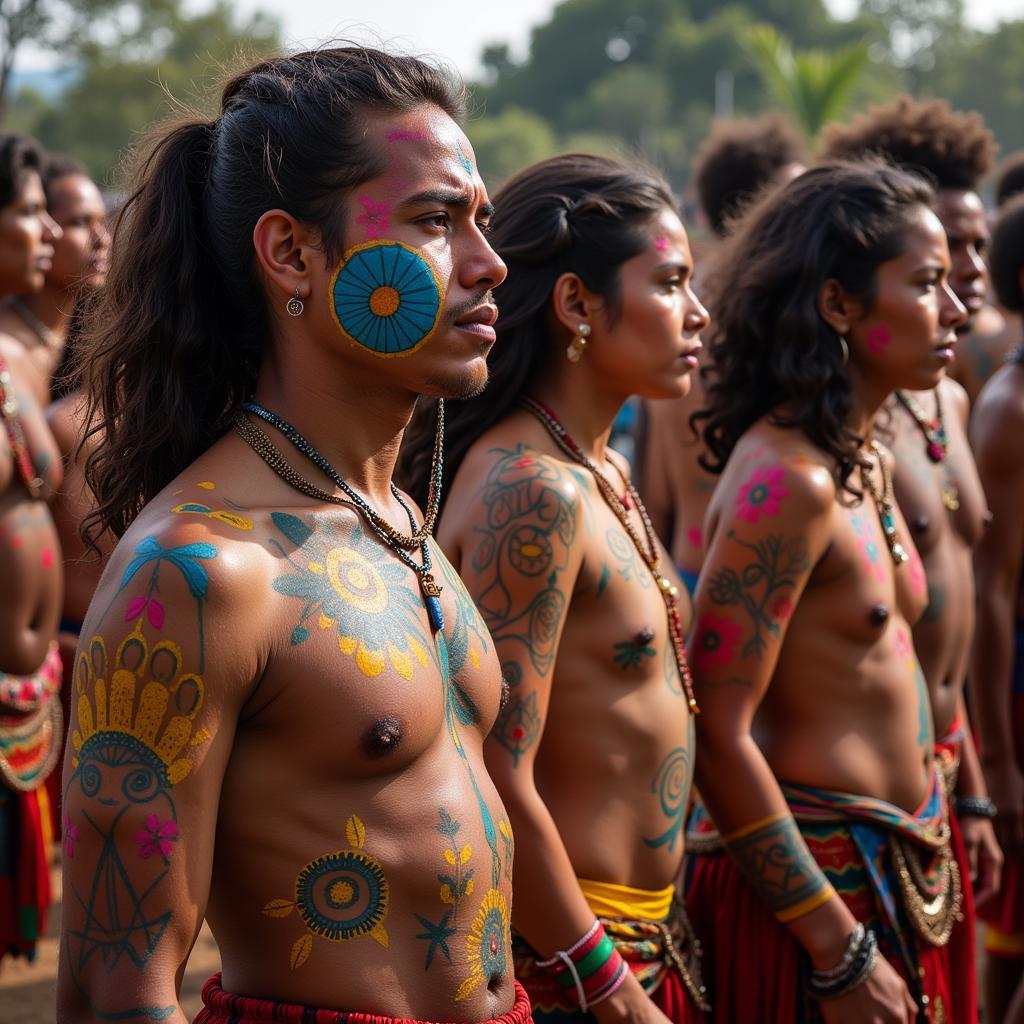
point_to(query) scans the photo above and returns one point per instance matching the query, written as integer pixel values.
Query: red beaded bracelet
(592, 965)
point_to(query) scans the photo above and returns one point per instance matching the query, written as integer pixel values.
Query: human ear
(573, 303)
(837, 307)
(285, 250)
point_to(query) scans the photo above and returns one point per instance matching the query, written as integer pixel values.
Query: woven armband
(591, 965)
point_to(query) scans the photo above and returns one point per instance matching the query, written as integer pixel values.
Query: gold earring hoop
(574, 353)
(844, 350)
(295, 306)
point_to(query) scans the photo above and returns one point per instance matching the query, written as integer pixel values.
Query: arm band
(592, 965)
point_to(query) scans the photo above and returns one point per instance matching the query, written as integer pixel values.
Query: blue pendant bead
(435, 614)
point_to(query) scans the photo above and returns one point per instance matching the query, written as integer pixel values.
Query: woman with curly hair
(825, 889)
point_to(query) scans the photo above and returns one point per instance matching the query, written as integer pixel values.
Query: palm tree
(813, 86)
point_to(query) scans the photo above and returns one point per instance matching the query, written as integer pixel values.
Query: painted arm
(154, 706)
(520, 563)
(997, 569)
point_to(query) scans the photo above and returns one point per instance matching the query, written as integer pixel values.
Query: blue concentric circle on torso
(342, 895)
(386, 298)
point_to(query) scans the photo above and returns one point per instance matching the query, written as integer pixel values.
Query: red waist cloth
(25, 840)
(220, 1007)
(756, 971)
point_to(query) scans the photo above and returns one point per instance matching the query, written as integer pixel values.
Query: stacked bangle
(592, 965)
(857, 963)
(974, 807)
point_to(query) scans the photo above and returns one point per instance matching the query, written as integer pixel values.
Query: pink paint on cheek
(47, 558)
(376, 217)
(879, 339)
(661, 244)
(404, 135)
(695, 537)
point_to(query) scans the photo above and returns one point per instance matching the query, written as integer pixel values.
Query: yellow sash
(609, 900)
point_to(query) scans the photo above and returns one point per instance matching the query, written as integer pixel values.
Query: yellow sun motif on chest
(363, 593)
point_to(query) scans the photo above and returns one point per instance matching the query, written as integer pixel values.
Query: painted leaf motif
(380, 935)
(155, 613)
(449, 855)
(466, 853)
(196, 576)
(134, 608)
(299, 633)
(301, 950)
(149, 549)
(279, 908)
(292, 527)
(293, 586)
(355, 832)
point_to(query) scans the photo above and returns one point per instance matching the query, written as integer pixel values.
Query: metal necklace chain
(936, 443)
(884, 505)
(266, 450)
(407, 541)
(646, 546)
(48, 337)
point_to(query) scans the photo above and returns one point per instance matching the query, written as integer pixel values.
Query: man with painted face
(278, 656)
(935, 479)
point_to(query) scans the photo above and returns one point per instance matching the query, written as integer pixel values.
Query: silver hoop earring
(845, 349)
(295, 306)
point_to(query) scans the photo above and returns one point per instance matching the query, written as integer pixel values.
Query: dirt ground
(28, 991)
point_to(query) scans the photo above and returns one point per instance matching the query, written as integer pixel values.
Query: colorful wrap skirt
(1004, 916)
(220, 1007)
(31, 733)
(652, 933)
(895, 871)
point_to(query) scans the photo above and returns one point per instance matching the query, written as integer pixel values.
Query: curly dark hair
(1010, 177)
(574, 213)
(1006, 255)
(19, 154)
(176, 341)
(771, 350)
(738, 159)
(953, 149)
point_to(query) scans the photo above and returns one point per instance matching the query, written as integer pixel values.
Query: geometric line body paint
(386, 298)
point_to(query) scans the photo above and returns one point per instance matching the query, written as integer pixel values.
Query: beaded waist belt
(31, 724)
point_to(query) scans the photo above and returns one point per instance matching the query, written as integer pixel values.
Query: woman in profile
(826, 887)
(593, 749)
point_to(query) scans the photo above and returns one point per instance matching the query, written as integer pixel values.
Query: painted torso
(945, 539)
(362, 857)
(847, 708)
(30, 594)
(614, 755)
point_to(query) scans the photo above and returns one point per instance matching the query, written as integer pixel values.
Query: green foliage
(509, 141)
(129, 76)
(812, 86)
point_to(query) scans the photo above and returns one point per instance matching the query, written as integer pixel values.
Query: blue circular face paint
(386, 298)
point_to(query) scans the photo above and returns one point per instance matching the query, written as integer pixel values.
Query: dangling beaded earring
(844, 349)
(295, 305)
(575, 350)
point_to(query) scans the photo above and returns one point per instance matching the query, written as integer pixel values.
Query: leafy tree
(127, 79)
(812, 86)
(509, 141)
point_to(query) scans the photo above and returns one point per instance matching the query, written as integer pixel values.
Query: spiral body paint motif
(386, 298)
(672, 784)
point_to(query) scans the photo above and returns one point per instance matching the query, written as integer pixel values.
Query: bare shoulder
(66, 418)
(997, 416)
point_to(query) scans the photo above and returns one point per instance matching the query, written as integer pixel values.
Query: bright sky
(459, 29)
(456, 30)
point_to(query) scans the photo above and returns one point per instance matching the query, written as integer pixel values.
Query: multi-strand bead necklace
(646, 546)
(936, 443)
(398, 542)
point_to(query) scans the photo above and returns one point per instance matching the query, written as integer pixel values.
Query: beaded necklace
(936, 443)
(884, 504)
(48, 337)
(397, 542)
(647, 546)
(16, 434)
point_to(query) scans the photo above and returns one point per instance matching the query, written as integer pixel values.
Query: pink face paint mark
(695, 536)
(405, 135)
(762, 494)
(716, 641)
(46, 557)
(879, 339)
(661, 244)
(376, 217)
